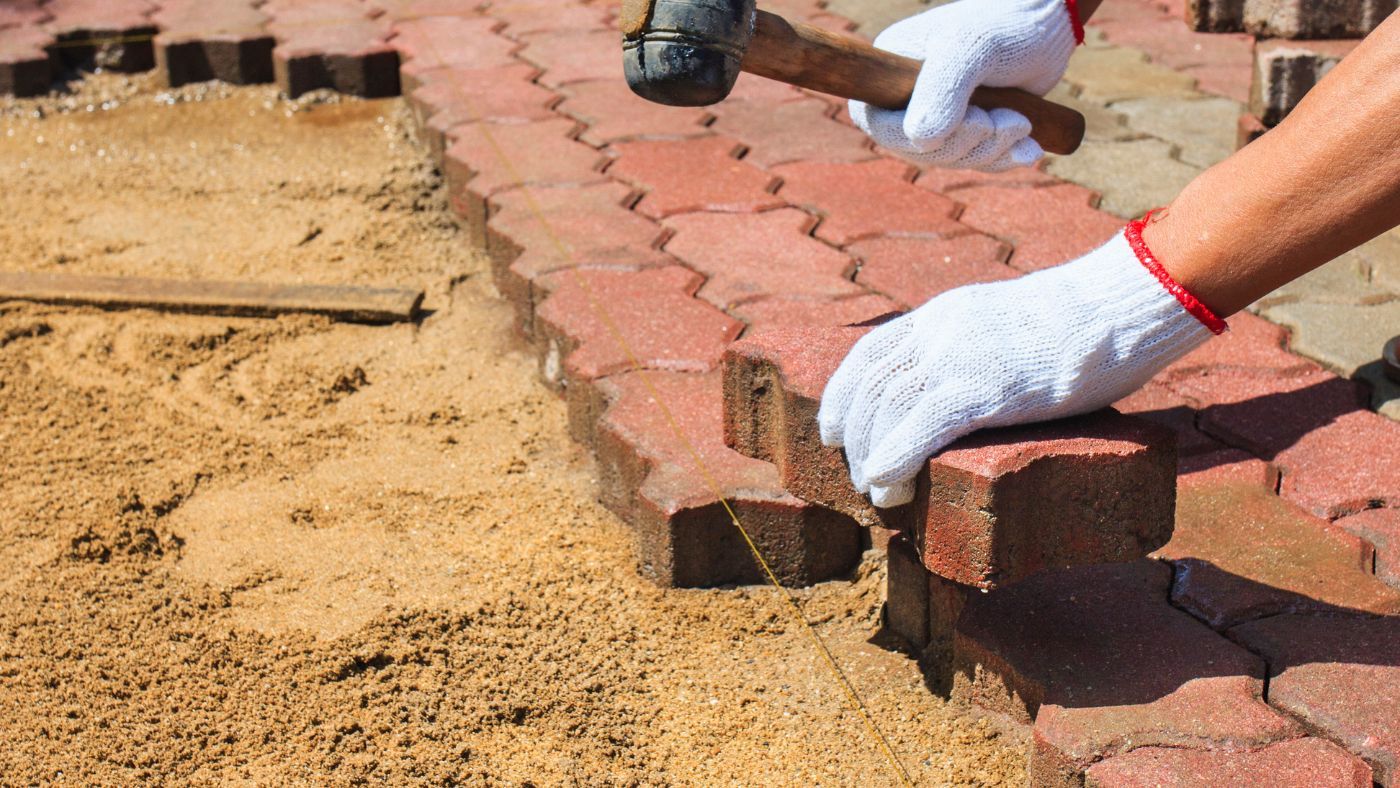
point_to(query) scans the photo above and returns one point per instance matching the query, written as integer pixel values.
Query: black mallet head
(685, 53)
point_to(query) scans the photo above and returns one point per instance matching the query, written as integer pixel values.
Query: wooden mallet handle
(812, 58)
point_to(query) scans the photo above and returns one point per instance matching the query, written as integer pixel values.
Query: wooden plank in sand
(242, 299)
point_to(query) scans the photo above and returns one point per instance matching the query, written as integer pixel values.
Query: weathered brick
(1157, 403)
(685, 537)
(115, 35)
(1284, 71)
(785, 313)
(922, 608)
(867, 199)
(1288, 18)
(1379, 528)
(1308, 762)
(1337, 457)
(1243, 553)
(1046, 226)
(575, 56)
(664, 327)
(1102, 663)
(453, 96)
(989, 510)
(912, 270)
(699, 174)
(431, 43)
(25, 68)
(612, 112)
(745, 257)
(1339, 675)
(792, 131)
(485, 159)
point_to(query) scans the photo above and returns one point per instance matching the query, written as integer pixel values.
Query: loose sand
(288, 550)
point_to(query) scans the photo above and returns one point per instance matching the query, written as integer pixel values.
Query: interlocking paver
(454, 96)
(699, 174)
(949, 181)
(1379, 528)
(792, 131)
(664, 325)
(415, 9)
(867, 199)
(1046, 226)
(1202, 129)
(922, 607)
(1134, 176)
(1340, 676)
(1220, 62)
(1343, 337)
(784, 313)
(1382, 257)
(1101, 123)
(20, 13)
(1252, 344)
(1243, 553)
(543, 16)
(750, 256)
(115, 35)
(1284, 71)
(25, 68)
(1345, 280)
(575, 56)
(684, 535)
(352, 57)
(1114, 74)
(427, 44)
(1308, 762)
(989, 510)
(612, 112)
(198, 43)
(1158, 403)
(913, 270)
(1102, 663)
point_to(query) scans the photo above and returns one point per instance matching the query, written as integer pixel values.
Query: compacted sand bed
(291, 550)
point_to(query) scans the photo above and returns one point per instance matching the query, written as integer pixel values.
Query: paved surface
(610, 219)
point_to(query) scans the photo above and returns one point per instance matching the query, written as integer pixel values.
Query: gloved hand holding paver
(1078, 337)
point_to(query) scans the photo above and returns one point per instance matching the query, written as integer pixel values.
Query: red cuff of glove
(1078, 24)
(1200, 311)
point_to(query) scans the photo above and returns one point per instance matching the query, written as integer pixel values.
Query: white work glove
(1059, 342)
(997, 43)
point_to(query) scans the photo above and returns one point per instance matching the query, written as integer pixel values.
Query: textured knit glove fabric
(1059, 342)
(997, 43)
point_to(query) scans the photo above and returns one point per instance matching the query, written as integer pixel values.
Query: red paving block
(685, 537)
(921, 607)
(653, 311)
(293, 19)
(1233, 466)
(542, 16)
(115, 35)
(612, 112)
(751, 256)
(867, 199)
(1379, 528)
(1336, 456)
(792, 131)
(1301, 763)
(575, 56)
(25, 68)
(455, 96)
(781, 313)
(766, 92)
(486, 158)
(1047, 225)
(1221, 62)
(944, 180)
(1340, 676)
(432, 43)
(1158, 403)
(991, 509)
(1252, 344)
(353, 65)
(20, 13)
(229, 43)
(1243, 553)
(1101, 662)
(913, 270)
(413, 9)
(700, 174)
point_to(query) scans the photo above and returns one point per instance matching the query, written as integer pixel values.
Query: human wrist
(1183, 292)
(1191, 257)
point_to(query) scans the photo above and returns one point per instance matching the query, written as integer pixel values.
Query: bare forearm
(1324, 181)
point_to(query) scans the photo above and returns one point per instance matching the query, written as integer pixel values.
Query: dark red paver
(685, 537)
(653, 311)
(453, 96)
(612, 112)
(1340, 675)
(1380, 528)
(227, 42)
(991, 509)
(25, 68)
(1243, 553)
(1308, 762)
(575, 56)
(1252, 344)
(351, 57)
(867, 199)
(1102, 663)
(750, 256)
(791, 131)
(115, 35)
(700, 174)
(1047, 226)
(1156, 402)
(912, 270)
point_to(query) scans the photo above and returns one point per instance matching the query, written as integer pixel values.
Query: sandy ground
(276, 551)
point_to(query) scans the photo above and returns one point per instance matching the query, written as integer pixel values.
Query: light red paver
(948, 181)
(791, 131)
(912, 270)
(115, 35)
(991, 509)
(398, 10)
(454, 96)
(1308, 762)
(612, 112)
(701, 174)
(653, 311)
(25, 67)
(1252, 344)
(750, 256)
(787, 313)
(1047, 226)
(1337, 457)
(427, 44)
(351, 57)
(571, 56)
(1243, 553)
(1380, 528)
(1101, 662)
(19, 13)
(1220, 62)
(543, 16)
(685, 537)
(867, 199)
(198, 43)
(1340, 675)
